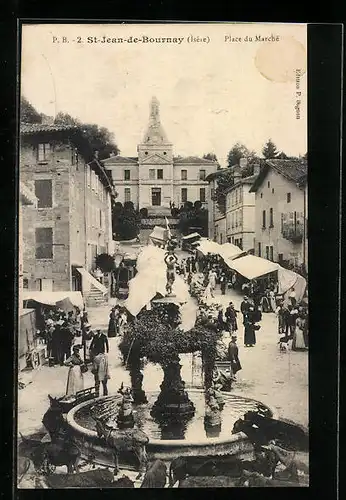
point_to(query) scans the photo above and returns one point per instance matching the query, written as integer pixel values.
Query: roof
(193, 160)
(216, 174)
(121, 159)
(38, 128)
(292, 170)
(245, 180)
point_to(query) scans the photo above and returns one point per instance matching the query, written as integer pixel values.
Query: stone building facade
(240, 210)
(281, 212)
(72, 221)
(156, 178)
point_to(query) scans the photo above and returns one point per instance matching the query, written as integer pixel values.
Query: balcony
(294, 234)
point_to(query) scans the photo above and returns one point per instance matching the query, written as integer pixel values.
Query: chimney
(243, 162)
(236, 175)
(47, 120)
(256, 169)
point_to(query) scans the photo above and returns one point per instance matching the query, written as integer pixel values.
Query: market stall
(188, 242)
(252, 267)
(55, 299)
(288, 280)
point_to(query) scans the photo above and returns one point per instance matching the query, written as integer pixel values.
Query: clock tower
(155, 159)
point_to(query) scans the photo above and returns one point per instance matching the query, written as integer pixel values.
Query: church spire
(155, 133)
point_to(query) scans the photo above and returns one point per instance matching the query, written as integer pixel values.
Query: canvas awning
(207, 246)
(252, 267)
(159, 233)
(289, 279)
(54, 298)
(228, 251)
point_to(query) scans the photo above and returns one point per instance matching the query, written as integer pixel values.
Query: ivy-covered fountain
(177, 422)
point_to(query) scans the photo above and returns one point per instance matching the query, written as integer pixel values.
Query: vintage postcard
(163, 265)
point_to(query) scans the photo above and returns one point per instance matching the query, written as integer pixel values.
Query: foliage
(193, 215)
(125, 220)
(224, 181)
(105, 262)
(239, 151)
(269, 150)
(155, 339)
(100, 138)
(210, 156)
(28, 113)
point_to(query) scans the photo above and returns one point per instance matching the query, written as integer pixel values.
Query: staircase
(95, 297)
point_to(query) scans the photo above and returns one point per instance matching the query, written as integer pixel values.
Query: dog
(283, 346)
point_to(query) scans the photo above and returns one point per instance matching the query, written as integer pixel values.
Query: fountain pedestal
(173, 402)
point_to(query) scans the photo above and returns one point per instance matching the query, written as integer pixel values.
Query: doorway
(156, 197)
(46, 285)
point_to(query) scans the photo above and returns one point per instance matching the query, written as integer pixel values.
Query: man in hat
(231, 318)
(245, 306)
(99, 344)
(99, 348)
(233, 356)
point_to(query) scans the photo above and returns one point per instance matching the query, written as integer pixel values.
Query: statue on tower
(155, 109)
(170, 260)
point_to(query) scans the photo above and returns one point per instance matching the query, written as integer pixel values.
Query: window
(156, 197)
(184, 175)
(240, 243)
(43, 192)
(160, 173)
(273, 190)
(271, 253)
(127, 175)
(261, 195)
(202, 195)
(263, 219)
(164, 153)
(202, 175)
(271, 218)
(127, 193)
(259, 249)
(232, 220)
(25, 283)
(44, 242)
(88, 176)
(269, 184)
(184, 194)
(288, 197)
(280, 257)
(146, 151)
(221, 238)
(267, 253)
(43, 152)
(240, 217)
(151, 174)
(101, 218)
(236, 196)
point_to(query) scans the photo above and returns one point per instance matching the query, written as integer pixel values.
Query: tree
(193, 215)
(269, 150)
(125, 221)
(224, 181)
(239, 151)
(100, 138)
(210, 156)
(28, 114)
(105, 262)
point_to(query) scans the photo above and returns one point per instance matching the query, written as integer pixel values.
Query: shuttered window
(44, 242)
(43, 192)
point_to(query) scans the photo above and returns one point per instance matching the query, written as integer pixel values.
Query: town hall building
(156, 179)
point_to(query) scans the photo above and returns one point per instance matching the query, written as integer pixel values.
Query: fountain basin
(195, 441)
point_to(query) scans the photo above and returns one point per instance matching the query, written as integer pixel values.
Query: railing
(294, 234)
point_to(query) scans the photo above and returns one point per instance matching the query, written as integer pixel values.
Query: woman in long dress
(112, 327)
(298, 336)
(75, 381)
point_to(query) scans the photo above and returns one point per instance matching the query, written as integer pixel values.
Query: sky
(212, 93)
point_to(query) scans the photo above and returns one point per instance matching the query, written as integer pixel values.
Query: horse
(47, 456)
(133, 440)
(156, 475)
